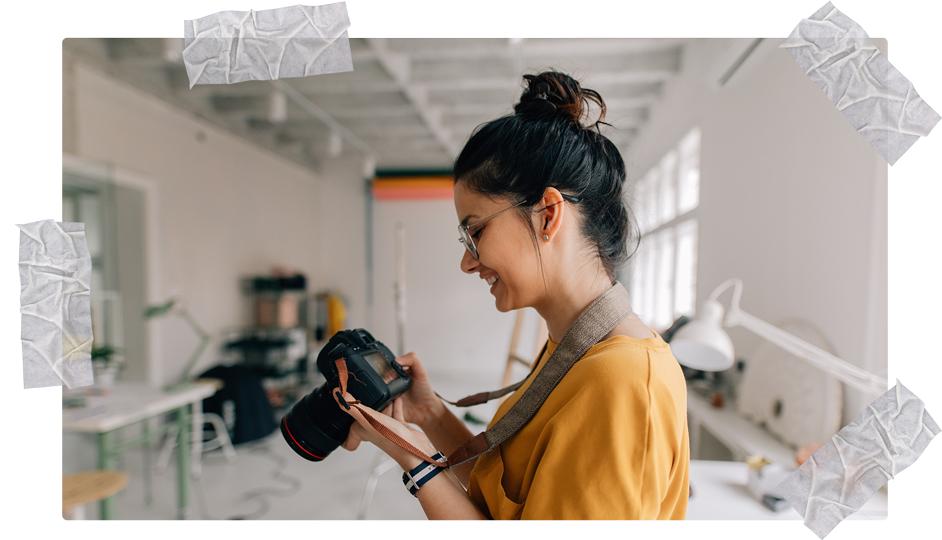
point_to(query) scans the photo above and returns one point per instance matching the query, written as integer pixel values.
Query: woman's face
(508, 261)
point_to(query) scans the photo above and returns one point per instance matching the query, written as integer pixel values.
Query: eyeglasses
(465, 230)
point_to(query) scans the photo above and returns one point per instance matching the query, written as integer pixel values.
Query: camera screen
(381, 366)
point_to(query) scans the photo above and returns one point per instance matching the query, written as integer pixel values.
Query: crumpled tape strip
(881, 104)
(888, 436)
(55, 304)
(297, 41)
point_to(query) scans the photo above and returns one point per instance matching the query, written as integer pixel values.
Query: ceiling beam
(398, 66)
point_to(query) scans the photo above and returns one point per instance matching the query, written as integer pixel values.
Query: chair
(220, 437)
(88, 487)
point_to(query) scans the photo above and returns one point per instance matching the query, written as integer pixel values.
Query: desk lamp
(162, 309)
(702, 344)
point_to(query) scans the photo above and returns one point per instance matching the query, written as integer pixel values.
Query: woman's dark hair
(541, 146)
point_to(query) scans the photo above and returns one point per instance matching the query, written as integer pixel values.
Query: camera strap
(484, 397)
(600, 318)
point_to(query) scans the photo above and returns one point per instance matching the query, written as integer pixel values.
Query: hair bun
(552, 93)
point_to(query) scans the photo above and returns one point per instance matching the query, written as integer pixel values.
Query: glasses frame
(465, 230)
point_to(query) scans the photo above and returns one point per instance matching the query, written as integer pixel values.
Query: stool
(88, 487)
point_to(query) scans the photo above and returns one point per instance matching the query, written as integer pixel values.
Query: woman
(539, 199)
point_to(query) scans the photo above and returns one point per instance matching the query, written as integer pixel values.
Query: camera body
(317, 425)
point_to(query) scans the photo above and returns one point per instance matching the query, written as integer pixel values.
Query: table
(127, 404)
(739, 436)
(720, 492)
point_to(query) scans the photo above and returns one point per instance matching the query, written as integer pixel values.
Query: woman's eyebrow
(467, 218)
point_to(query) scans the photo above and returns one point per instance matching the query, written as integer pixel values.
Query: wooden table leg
(107, 461)
(183, 460)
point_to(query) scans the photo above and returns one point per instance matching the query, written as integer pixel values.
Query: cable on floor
(261, 495)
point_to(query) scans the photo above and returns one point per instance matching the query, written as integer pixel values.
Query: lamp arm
(834, 366)
(196, 328)
(737, 292)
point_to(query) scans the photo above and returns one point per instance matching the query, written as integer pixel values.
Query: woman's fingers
(354, 438)
(411, 361)
(397, 410)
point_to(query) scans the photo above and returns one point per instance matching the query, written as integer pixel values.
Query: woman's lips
(493, 281)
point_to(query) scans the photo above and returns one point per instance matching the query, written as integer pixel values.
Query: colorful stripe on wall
(413, 188)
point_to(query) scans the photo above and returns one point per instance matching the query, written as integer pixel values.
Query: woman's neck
(565, 300)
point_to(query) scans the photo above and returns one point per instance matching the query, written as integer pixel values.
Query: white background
(32, 158)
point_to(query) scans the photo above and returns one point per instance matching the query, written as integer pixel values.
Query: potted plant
(105, 366)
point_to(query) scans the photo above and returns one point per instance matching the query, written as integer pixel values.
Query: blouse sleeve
(613, 451)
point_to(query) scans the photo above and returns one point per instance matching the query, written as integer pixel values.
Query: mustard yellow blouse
(610, 442)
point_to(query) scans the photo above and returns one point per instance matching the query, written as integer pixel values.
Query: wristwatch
(417, 477)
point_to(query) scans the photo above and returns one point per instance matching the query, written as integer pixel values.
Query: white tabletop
(720, 492)
(127, 403)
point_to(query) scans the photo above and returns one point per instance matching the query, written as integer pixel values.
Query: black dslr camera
(317, 425)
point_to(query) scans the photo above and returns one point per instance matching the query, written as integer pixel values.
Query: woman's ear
(551, 218)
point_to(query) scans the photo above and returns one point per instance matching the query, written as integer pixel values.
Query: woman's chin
(503, 304)
(501, 308)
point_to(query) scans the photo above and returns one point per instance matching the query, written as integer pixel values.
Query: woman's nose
(468, 263)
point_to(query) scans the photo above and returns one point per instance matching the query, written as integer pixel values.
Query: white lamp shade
(702, 344)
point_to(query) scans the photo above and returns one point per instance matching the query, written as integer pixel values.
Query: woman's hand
(420, 404)
(392, 418)
(442, 497)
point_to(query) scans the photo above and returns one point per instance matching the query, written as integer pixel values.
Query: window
(663, 275)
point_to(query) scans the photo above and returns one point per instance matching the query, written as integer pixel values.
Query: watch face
(382, 368)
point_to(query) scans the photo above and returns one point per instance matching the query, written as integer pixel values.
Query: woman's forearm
(447, 432)
(443, 497)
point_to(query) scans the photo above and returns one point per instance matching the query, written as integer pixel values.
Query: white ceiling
(413, 102)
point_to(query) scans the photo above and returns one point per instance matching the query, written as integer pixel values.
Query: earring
(546, 237)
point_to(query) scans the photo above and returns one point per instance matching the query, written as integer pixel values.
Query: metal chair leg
(163, 459)
(371, 482)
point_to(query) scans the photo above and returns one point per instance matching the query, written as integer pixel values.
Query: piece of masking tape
(888, 436)
(881, 104)
(298, 41)
(55, 304)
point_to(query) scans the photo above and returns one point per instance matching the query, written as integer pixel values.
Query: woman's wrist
(434, 416)
(409, 462)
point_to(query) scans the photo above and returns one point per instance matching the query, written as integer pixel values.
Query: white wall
(792, 200)
(227, 209)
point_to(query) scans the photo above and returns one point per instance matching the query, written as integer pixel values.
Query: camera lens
(316, 425)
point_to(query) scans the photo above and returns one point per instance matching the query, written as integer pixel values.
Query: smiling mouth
(491, 280)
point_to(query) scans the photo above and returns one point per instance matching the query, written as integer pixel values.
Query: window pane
(651, 214)
(667, 201)
(89, 212)
(640, 204)
(689, 175)
(648, 275)
(68, 209)
(685, 289)
(663, 308)
(635, 285)
(689, 190)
